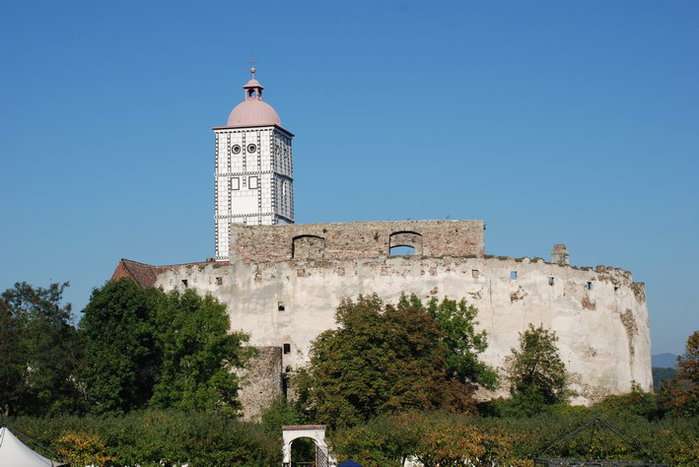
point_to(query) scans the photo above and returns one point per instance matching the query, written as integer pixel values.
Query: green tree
(197, 354)
(681, 394)
(119, 334)
(457, 321)
(537, 373)
(381, 359)
(40, 353)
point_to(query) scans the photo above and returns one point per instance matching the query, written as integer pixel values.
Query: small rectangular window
(185, 283)
(588, 285)
(219, 281)
(550, 280)
(513, 274)
(475, 273)
(287, 348)
(280, 306)
(235, 183)
(252, 183)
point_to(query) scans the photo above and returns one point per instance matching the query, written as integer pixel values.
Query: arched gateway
(314, 432)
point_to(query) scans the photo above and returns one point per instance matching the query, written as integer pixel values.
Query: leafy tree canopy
(457, 321)
(682, 392)
(119, 333)
(385, 358)
(537, 376)
(197, 354)
(148, 348)
(40, 353)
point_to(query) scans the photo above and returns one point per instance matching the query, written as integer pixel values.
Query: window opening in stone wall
(280, 306)
(185, 283)
(404, 243)
(616, 288)
(402, 250)
(287, 348)
(513, 274)
(235, 183)
(252, 183)
(475, 273)
(588, 285)
(219, 281)
(550, 280)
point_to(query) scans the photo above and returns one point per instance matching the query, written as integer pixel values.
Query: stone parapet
(355, 240)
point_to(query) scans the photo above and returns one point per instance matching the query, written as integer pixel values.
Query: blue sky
(555, 122)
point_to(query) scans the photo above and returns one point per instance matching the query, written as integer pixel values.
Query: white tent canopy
(14, 453)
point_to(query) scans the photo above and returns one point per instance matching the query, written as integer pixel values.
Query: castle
(283, 281)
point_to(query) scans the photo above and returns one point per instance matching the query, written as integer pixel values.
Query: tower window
(219, 281)
(235, 183)
(287, 348)
(588, 285)
(235, 149)
(185, 283)
(513, 274)
(550, 280)
(253, 183)
(280, 306)
(252, 148)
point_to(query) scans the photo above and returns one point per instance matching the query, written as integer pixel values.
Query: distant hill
(664, 360)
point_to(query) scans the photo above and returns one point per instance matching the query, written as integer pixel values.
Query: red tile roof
(143, 274)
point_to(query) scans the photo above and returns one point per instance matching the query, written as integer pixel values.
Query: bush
(152, 437)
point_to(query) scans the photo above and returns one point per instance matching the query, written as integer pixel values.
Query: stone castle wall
(261, 381)
(599, 314)
(354, 240)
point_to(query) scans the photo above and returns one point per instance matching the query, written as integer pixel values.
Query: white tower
(253, 175)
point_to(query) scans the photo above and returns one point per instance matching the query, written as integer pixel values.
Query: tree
(381, 359)
(682, 392)
(457, 321)
(148, 348)
(537, 372)
(40, 353)
(197, 355)
(119, 333)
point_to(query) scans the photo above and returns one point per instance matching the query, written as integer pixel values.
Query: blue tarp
(350, 463)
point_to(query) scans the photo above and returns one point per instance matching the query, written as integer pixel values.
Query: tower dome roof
(253, 111)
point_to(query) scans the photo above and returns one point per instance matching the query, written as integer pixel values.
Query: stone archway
(314, 432)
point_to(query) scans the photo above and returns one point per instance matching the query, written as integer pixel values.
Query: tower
(253, 180)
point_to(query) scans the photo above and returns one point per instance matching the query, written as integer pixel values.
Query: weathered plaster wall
(599, 314)
(354, 240)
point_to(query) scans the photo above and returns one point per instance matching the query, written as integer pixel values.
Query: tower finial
(252, 67)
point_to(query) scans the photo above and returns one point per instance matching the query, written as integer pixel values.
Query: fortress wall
(261, 381)
(599, 314)
(354, 240)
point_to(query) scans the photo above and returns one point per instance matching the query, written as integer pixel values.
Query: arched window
(405, 244)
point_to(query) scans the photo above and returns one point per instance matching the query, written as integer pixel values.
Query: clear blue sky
(572, 122)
